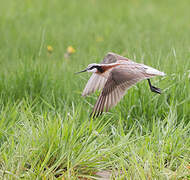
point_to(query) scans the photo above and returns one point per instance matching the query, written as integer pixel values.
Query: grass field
(45, 129)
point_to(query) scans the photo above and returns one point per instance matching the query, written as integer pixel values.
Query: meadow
(45, 128)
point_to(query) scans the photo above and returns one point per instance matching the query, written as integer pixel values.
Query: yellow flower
(71, 50)
(50, 49)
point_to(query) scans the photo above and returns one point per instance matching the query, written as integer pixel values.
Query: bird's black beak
(81, 71)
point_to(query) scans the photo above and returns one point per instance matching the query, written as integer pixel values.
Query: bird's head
(92, 68)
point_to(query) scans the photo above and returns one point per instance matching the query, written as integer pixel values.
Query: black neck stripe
(99, 68)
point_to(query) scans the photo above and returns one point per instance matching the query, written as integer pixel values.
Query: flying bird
(114, 76)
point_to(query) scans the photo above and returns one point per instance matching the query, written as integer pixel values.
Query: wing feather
(112, 58)
(115, 87)
(96, 82)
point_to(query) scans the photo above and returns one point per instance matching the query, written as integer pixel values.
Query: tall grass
(45, 128)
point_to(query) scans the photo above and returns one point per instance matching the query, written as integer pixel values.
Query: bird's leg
(154, 89)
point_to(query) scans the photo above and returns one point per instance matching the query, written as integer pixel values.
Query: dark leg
(154, 89)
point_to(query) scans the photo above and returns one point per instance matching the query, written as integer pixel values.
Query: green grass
(45, 129)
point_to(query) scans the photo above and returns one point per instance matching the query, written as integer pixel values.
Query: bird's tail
(150, 70)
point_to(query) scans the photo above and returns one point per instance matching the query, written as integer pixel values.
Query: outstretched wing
(120, 79)
(96, 82)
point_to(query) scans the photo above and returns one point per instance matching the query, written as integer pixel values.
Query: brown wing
(96, 82)
(112, 58)
(119, 80)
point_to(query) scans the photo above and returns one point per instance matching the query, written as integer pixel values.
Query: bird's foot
(155, 90)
